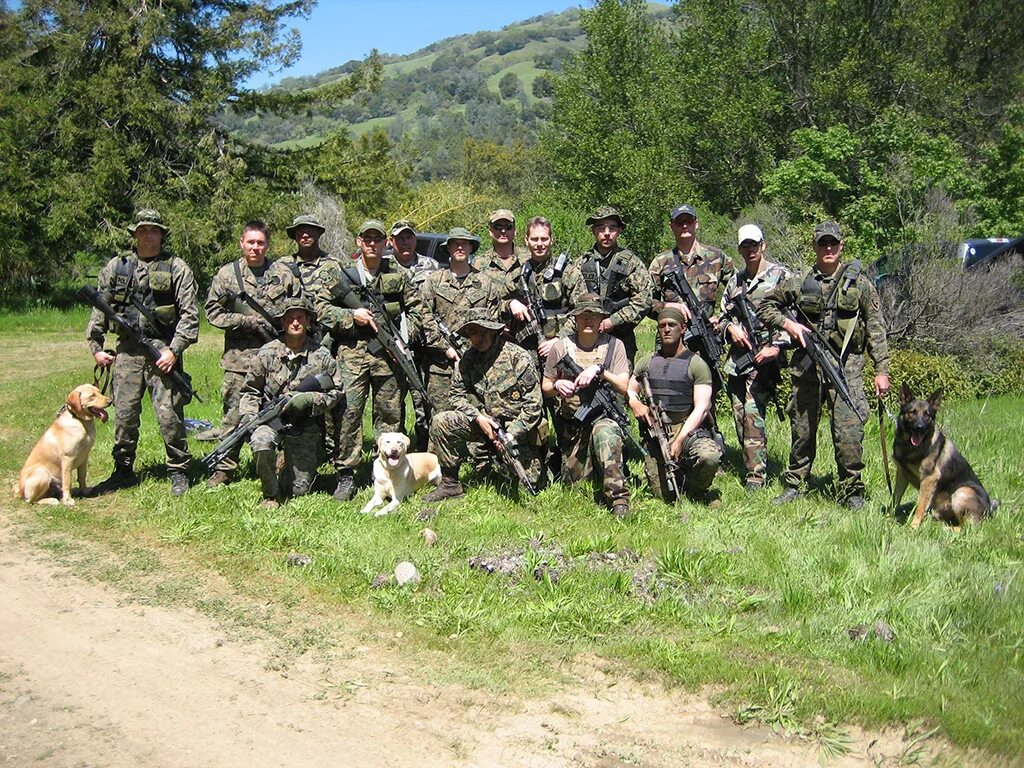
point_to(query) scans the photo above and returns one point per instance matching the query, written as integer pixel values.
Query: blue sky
(340, 30)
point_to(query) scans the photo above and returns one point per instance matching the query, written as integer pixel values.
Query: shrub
(924, 373)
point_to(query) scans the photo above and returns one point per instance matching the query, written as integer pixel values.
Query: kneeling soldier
(278, 368)
(681, 384)
(587, 445)
(495, 386)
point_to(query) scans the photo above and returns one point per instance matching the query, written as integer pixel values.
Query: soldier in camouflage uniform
(589, 448)
(503, 258)
(618, 276)
(244, 301)
(403, 246)
(308, 261)
(278, 368)
(365, 365)
(165, 288)
(681, 384)
(496, 384)
(448, 294)
(754, 362)
(556, 284)
(842, 304)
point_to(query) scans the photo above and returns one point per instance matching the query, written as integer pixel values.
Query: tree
(509, 85)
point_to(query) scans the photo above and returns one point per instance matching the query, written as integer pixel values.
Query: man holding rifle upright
(361, 305)
(156, 292)
(833, 312)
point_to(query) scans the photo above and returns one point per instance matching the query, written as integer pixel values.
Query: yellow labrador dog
(397, 474)
(65, 446)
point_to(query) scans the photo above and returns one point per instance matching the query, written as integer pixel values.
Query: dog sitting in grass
(397, 474)
(928, 460)
(63, 448)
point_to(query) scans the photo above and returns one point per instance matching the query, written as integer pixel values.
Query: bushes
(995, 369)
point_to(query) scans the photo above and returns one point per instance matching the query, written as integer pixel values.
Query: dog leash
(101, 377)
(885, 446)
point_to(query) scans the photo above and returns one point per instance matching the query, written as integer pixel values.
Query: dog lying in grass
(397, 474)
(65, 446)
(928, 460)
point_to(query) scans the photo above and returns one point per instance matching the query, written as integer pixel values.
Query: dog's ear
(74, 402)
(906, 394)
(407, 441)
(935, 401)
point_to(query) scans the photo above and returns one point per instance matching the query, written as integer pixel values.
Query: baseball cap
(679, 210)
(502, 214)
(749, 232)
(401, 226)
(827, 229)
(374, 225)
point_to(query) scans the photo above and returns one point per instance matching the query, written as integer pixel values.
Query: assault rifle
(537, 315)
(828, 362)
(660, 431)
(272, 413)
(180, 380)
(509, 452)
(709, 346)
(755, 330)
(611, 306)
(388, 338)
(455, 341)
(603, 403)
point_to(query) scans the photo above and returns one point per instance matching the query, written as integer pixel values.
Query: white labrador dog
(397, 474)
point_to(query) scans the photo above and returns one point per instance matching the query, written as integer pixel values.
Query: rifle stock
(660, 430)
(456, 342)
(509, 452)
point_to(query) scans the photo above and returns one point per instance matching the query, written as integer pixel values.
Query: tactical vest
(607, 283)
(244, 303)
(158, 313)
(389, 284)
(837, 315)
(670, 382)
(548, 287)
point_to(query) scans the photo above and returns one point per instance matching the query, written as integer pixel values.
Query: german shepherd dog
(929, 461)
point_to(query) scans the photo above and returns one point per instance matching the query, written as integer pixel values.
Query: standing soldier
(839, 301)
(156, 291)
(755, 359)
(448, 294)
(681, 385)
(278, 368)
(243, 301)
(588, 447)
(366, 365)
(504, 256)
(403, 245)
(308, 261)
(553, 285)
(496, 386)
(618, 276)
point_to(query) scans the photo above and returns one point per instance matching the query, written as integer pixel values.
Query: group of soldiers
(499, 349)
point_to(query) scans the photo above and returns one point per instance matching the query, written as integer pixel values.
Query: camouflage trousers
(362, 375)
(231, 396)
(750, 396)
(593, 449)
(133, 375)
(805, 402)
(698, 463)
(439, 384)
(452, 431)
(422, 410)
(300, 460)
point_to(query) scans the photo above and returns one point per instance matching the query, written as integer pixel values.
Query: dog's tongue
(100, 414)
(393, 461)
(915, 440)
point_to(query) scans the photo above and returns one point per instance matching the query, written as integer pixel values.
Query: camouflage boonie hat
(589, 302)
(401, 226)
(827, 229)
(304, 220)
(606, 212)
(296, 302)
(482, 317)
(461, 233)
(148, 217)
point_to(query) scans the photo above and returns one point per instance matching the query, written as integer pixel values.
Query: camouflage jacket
(420, 269)
(275, 370)
(855, 320)
(503, 383)
(631, 296)
(488, 261)
(557, 293)
(172, 296)
(226, 310)
(446, 298)
(757, 288)
(308, 272)
(706, 269)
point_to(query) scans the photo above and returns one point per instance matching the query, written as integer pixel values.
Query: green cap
(606, 212)
(482, 317)
(589, 302)
(304, 220)
(373, 225)
(827, 229)
(297, 302)
(461, 233)
(148, 217)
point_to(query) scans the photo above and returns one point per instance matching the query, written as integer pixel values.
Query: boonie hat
(749, 232)
(679, 210)
(304, 220)
(461, 233)
(375, 225)
(827, 229)
(401, 226)
(482, 317)
(589, 302)
(605, 212)
(502, 214)
(296, 302)
(148, 217)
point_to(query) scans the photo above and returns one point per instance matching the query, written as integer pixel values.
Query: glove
(300, 402)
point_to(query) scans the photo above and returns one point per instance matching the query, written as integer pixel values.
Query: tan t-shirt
(618, 363)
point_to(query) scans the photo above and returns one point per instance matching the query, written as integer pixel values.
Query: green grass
(752, 600)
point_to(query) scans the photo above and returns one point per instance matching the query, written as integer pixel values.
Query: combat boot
(788, 495)
(218, 478)
(179, 483)
(620, 510)
(211, 435)
(123, 476)
(448, 488)
(854, 502)
(346, 486)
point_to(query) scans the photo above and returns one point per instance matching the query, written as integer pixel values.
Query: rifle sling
(254, 305)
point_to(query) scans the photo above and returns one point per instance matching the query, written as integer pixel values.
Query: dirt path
(91, 678)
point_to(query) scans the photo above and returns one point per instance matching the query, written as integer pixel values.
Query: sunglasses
(503, 227)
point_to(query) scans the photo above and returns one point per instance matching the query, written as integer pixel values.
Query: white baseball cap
(750, 232)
